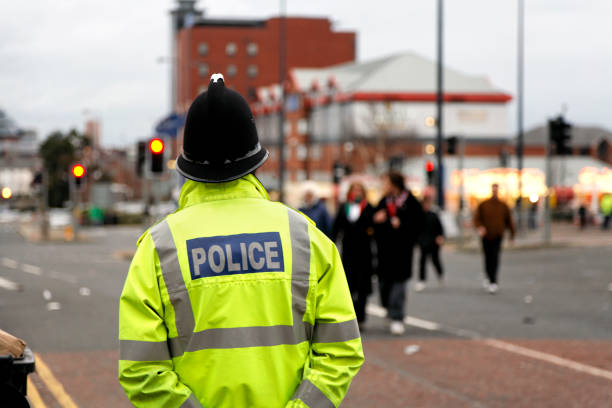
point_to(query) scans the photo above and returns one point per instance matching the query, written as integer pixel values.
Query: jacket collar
(194, 192)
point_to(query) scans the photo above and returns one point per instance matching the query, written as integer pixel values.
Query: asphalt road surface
(545, 340)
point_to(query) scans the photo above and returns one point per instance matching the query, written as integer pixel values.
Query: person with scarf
(398, 222)
(353, 225)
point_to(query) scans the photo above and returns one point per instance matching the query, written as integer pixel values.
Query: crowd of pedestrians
(380, 241)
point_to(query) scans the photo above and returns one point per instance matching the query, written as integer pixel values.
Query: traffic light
(7, 193)
(141, 157)
(78, 172)
(430, 172)
(156, 147)
(560, 133)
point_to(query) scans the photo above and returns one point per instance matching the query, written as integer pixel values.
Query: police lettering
(234, 254)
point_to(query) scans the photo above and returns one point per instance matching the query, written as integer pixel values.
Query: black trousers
(491, 249)
(433, 252)
(393, 298)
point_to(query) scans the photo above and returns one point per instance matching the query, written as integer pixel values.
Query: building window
(203, 49)
(302, 127)
(232, 70)
(252, 71)
(252, 49)
(203, 70)
(231, 49)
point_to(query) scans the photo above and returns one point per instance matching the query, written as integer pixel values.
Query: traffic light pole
(74, 200)
(439, 107)
(547, 215)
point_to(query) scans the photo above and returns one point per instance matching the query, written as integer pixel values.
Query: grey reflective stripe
(335, 332)
(238, 337)
(191, 402)
(300, 273)
(136, 350)
(310, 395)
(171, 273)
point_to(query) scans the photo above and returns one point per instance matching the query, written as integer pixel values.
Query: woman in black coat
(354, 224)
(398, 222)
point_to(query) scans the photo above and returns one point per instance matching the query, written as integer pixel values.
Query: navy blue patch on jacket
(235, 254)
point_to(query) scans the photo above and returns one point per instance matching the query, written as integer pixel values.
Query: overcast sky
(66, 60)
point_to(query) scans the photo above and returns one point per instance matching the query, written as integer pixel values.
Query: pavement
(545, 340)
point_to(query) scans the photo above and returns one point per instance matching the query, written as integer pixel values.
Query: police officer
(234, 300)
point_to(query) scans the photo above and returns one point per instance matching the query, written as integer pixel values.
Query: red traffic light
(156, 146)
(429, 166)
(78, 170)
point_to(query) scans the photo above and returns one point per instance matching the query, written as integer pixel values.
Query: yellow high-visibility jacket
(236, 301)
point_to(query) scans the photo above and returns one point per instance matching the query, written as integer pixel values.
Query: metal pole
(546, 237)
(74, 201)
(281, 112)
(519, 109)
(44, 203)
(439, 106)
(461, 142)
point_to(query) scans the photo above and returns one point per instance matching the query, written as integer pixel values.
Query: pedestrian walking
(234, 300)
(582, 215)
(491, 220)
(354, 227)
(314, 207)
(606, 210)
(398, 220)
(430, 241)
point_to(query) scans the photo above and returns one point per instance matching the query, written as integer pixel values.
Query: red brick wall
(310, 43)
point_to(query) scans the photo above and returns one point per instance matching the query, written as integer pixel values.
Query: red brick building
(247, 52)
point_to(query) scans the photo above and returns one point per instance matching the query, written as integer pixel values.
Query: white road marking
(34, 270)
(549, 358)
(8, 285)
(379, 311)
(423, 324)
(376, 310)
(53, 306)
(10, 263)
(84, 291)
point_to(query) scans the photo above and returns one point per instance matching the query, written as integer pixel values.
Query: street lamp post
(281, 112)
(439, 107)
(519, 110)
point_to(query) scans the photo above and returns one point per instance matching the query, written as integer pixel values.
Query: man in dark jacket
(315, 209)
(430, 240)
(398, 221)
(491, 220)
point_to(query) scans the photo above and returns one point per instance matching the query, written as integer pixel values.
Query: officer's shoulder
(148, 230)
(307, 218)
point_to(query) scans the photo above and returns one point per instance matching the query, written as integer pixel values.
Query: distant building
(246, 51)
(93, 132)
(371, 116)
(364, 115)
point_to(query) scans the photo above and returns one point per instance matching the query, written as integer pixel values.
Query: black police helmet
(220, 141)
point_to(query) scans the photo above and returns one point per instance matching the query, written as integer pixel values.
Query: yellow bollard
(68, 233)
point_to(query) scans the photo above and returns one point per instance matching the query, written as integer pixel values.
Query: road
(544, 340)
